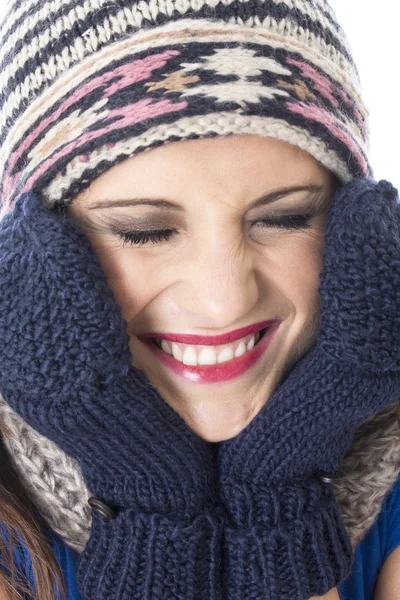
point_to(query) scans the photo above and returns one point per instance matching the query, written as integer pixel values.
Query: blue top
(370, 554)
(66, 557)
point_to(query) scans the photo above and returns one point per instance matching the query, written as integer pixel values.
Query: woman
(193, 238)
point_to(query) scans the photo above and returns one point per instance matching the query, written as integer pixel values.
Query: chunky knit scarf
(254, 516)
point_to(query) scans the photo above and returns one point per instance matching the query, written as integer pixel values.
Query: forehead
(242, 165)
(249, 150)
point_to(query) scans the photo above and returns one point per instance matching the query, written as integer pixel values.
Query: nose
(221, 286)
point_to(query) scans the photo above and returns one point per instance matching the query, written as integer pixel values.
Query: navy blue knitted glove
(66, 368)
(284, 538)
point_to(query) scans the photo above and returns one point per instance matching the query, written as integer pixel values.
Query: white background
(372, 28)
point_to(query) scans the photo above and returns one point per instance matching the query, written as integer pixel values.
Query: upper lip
(209, 340)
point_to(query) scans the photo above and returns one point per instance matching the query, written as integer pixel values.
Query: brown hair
(20, 523)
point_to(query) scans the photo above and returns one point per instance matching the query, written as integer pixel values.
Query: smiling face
(221, 267)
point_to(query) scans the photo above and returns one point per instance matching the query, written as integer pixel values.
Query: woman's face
(221, 269)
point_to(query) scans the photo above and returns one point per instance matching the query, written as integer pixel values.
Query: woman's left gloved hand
(284, 538)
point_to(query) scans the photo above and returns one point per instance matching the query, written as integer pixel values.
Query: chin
(221, 423)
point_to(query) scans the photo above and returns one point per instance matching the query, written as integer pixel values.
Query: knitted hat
(84, 86)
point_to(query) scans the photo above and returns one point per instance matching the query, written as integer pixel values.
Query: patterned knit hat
(85, 85)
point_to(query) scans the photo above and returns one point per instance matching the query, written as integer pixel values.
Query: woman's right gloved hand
(66, 368)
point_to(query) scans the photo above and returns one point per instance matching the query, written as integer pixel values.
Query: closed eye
(140, 238)
(287, 221)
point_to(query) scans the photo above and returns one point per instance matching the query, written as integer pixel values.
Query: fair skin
(222, 270)
(388, 583)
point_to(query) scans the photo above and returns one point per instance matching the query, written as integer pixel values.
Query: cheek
(297, 268)
(291, 266)
(305, 267)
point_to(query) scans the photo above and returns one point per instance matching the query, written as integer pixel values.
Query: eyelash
(139, 238)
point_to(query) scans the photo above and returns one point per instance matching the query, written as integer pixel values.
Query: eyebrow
(161, 203)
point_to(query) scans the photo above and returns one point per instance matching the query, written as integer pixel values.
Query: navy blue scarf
(175, 517)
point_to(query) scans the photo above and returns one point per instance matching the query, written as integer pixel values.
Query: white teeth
(251, 343)
(241, 349)
(177, 352)
(190, 357)
(209, 355)
(166, 346)
(225, 355)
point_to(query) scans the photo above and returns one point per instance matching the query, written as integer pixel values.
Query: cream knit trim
(222, 123)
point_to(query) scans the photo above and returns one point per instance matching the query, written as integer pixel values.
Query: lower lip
(220, 372)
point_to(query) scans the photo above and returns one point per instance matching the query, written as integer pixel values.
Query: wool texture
(253, 519)
(136, 453)
(86, 85)
(55, 483)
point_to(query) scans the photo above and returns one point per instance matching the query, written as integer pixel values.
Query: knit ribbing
(54, 480)
(183, 557)
(290, 544)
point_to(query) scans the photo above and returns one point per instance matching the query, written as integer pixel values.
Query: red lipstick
(221, 372)
(208, 340)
